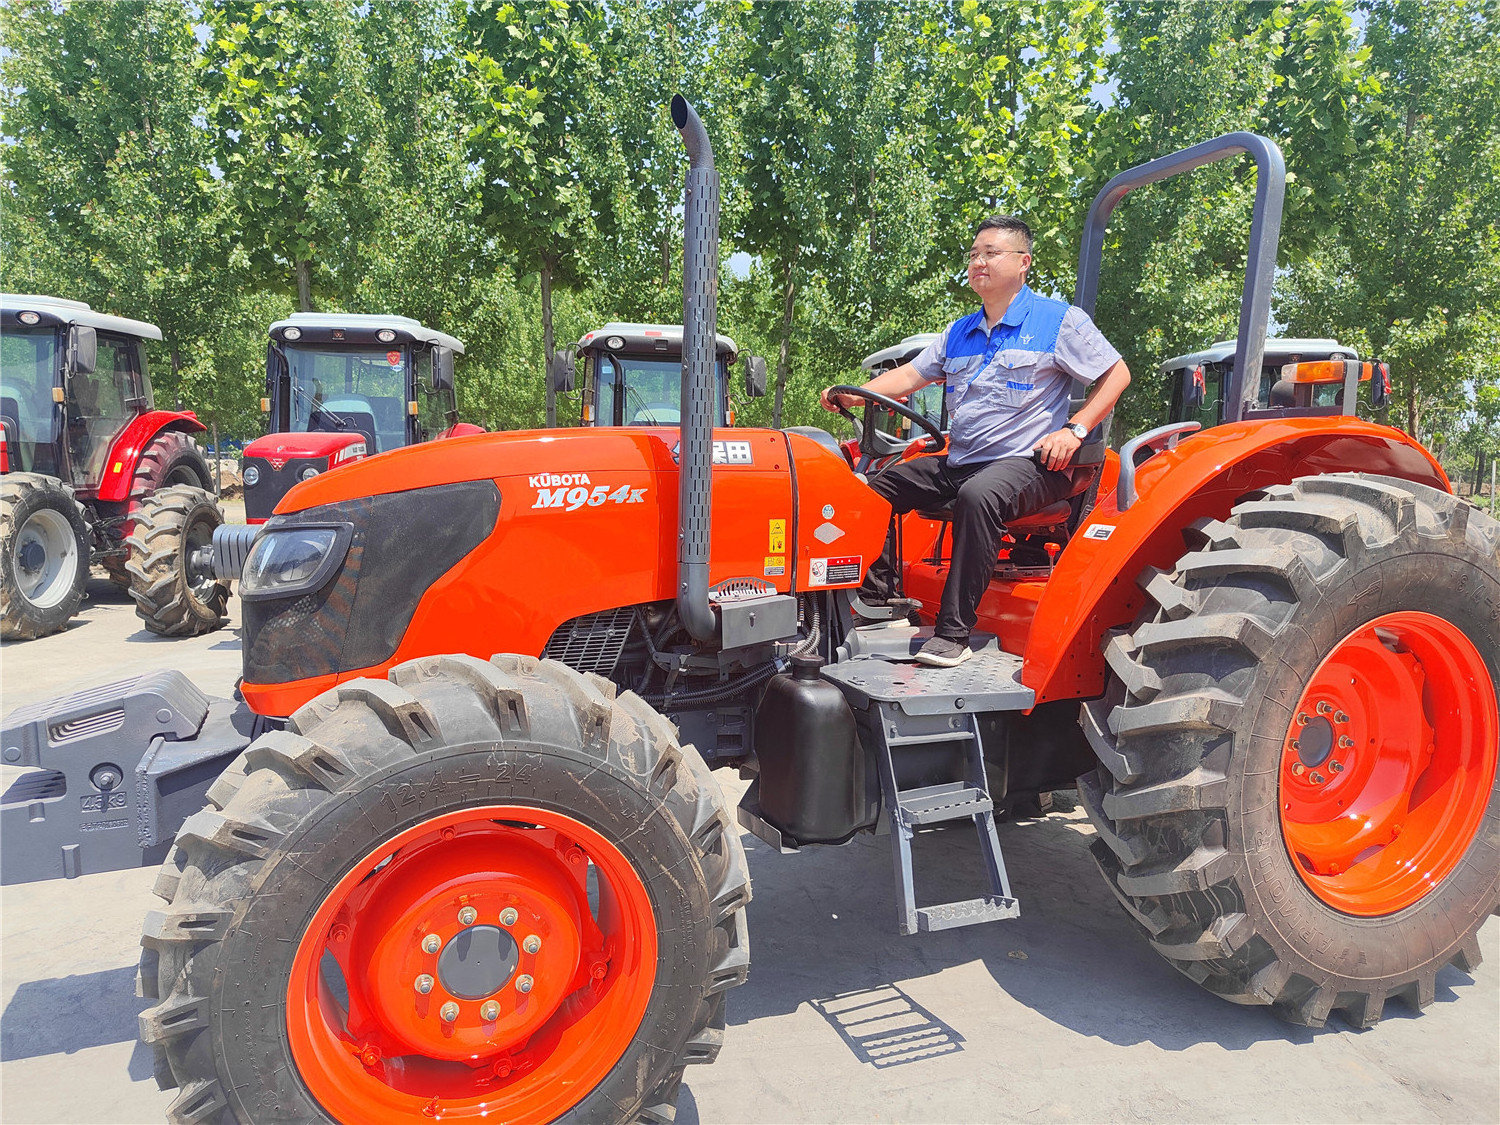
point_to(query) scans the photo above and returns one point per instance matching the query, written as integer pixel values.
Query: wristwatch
(1078, 430)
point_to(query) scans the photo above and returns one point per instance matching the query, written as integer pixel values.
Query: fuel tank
(489, 543)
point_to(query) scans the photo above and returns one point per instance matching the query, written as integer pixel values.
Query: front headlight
(289, 561)
(307, 473)
(251, 476)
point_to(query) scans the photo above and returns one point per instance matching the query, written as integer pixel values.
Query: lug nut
(448, 1012)
(1302, 719)
(532, 944)
(1336, 766)
(340, 932)
(467, 915)
(489, 1011)
(1297, 769)
(1341, 717)
(424, 984)
(508, 916)
(523, 983)
(1345, 741)
(1324, 707)
(1317, 778)
(1296, 744)
(431, 943)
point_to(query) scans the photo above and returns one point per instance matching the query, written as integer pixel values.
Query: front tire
(170, 599)
(172, 458)
(1297, 800)
(292, 966)
(44, 556)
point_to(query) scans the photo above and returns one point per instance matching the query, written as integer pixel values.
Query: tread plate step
(944, 802)
(948, 915)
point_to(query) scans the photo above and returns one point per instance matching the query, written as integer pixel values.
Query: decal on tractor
(777, 537)
(579, 496)
(836, 572)
(775, 566)
(725, 453)
(1099, 531)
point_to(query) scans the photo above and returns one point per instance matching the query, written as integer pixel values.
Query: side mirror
(1193, 387)
(442, 368)
(755, 376)
(83, 350)
(564, 369)
(1380, 385)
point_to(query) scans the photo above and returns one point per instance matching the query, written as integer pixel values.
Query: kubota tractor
(342, 386)
(483, 867)
(633, 375)
(93, 472)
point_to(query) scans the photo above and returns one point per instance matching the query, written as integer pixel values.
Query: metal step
(937, 803)
(950, 915)
(925, 739)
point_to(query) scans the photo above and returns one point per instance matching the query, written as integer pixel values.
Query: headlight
(296, 560)
(307, 473)
(251, 476)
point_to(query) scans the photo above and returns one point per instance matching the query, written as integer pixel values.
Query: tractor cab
(1298, 377)
(71, 381)
(343, 386)
(632, 375)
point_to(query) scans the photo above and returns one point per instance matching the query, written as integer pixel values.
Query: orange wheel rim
(1388, 763)
(491, 963)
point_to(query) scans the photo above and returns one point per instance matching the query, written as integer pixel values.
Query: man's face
(998, 262)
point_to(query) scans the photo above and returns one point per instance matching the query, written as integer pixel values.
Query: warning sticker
(775, 566)
(835, 572)
(777, 537)
(1099, 531)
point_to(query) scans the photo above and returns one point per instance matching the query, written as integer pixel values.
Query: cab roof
(60, 310)
(897, 354)
(367, 324)
(652, 337)
(1288, 350)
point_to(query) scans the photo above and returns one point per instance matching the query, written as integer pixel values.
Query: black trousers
(983, 498)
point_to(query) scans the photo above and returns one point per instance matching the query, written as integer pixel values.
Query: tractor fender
(1095, 586)
(139, 432)
(338, 448)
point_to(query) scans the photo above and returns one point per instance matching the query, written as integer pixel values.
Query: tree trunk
(666, 260)
(176, 355)
(1411, 403)
(782, 362)
(304, 286)
(547, 340)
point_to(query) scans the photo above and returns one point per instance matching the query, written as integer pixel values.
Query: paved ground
(1063, 1015)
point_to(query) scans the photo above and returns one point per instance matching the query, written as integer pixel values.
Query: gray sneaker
(941, 652)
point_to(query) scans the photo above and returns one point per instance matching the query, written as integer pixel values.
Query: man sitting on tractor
(1006, 372)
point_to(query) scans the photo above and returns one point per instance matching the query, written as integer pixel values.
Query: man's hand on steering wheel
(837, 395)
(833, 404)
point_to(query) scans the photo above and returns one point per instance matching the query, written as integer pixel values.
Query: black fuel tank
(817, 783)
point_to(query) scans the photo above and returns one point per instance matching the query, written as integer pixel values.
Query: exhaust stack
(700, 303)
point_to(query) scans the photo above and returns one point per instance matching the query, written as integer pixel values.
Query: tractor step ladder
(924, 726)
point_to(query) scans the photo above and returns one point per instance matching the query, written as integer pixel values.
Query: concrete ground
(1062, 1015)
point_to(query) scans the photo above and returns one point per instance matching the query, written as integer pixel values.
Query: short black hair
(1011, 224)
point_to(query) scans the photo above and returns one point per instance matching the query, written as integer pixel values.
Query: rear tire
(169, 526)
(318, 835)
(1334, 634)
(44, 555)
(172, 458)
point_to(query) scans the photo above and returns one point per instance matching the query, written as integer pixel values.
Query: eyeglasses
(977, 257)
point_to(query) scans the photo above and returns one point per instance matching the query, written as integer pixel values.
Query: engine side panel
(1094, 589)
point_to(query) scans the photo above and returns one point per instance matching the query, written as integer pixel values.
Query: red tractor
(94, 473)
(482, 866)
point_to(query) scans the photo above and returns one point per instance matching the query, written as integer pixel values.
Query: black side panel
(403, 543)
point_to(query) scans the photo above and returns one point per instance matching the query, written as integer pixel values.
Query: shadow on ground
(62, 1015)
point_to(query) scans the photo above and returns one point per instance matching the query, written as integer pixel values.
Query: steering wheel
(936, 439)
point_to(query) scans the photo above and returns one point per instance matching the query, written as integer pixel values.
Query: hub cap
(536, 985)
(1388, 763)
(46, 557)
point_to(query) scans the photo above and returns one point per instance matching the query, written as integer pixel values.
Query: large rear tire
(568, 861)
(44, 556)
(173, 457)
(170, 598)
(1297, 800)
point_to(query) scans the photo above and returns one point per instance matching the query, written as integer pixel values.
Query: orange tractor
(483, 867)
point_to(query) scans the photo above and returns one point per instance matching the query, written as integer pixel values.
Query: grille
(592, 643)
(88, 727)
(735, 588)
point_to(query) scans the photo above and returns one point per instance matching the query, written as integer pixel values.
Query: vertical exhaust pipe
(700, 303)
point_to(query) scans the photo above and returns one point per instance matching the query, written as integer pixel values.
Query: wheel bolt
(431, 943)
(1296, 744)
(508, 916)
(1317, 778)
(467, 915)
(1302, 719)
(448, 1012)
(1341, 717)
(489, 1011)
(1324, 708)
(340, 932)
(1345, 741)
(1297, 769)
(424, 984)
(369, 1055)
(599, 970)
(523, 983)
(532, 944)
(1336, 766)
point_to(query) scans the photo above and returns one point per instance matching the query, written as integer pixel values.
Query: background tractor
(93, 472)
(481, 864)
(632, 375)
(342, 386)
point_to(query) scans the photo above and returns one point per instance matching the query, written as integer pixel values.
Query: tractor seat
(1055, 514)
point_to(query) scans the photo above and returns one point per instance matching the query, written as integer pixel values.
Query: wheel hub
(478, 962)
(31, 556)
